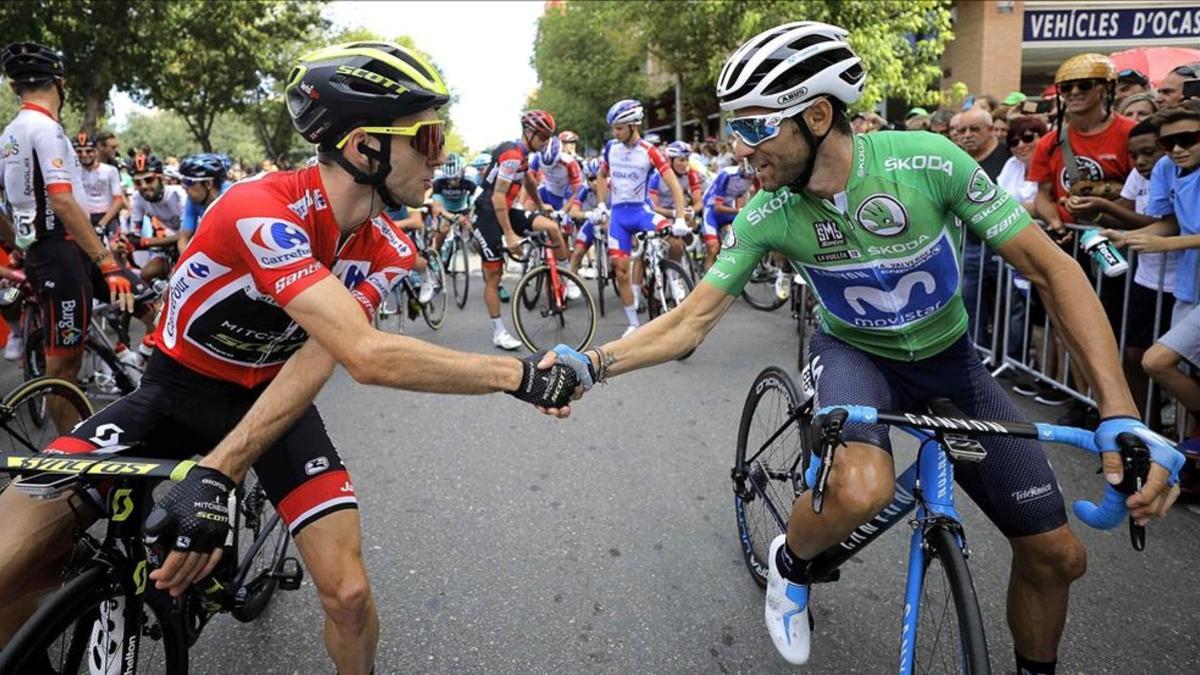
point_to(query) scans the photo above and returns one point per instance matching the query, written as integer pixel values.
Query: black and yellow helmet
(335, 89)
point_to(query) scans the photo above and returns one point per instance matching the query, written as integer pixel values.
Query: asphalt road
(502, 541)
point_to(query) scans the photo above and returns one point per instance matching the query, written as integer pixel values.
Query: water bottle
(1110, 260)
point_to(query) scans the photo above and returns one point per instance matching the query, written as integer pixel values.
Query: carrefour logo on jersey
(274, 243)
(889, 293)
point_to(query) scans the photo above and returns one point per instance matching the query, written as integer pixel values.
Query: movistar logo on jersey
(980, 189)
(882, 214)
(889, 293)
(919, 163)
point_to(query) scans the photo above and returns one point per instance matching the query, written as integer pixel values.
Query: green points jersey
(883, 256)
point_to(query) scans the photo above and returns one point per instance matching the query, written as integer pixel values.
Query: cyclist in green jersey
(874, 222)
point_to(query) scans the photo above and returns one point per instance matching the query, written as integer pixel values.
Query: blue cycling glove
(578, 362)
(1162, 451)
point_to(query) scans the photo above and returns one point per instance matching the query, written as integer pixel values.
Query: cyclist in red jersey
(281, 258)
(499, 225)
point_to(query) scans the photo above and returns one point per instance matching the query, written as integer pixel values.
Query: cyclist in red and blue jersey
(273, 293)
(498, 225)
(725, 197)
(585, 210)
(557, 175)
(627, 163)
(203, 178)
(663, 201)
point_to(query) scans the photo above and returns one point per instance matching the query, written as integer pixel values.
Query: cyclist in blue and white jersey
(557, 174)
(627, 162)
(203, 178)
(693, 185)
(586, 209)
(654, 139)
(570, 144)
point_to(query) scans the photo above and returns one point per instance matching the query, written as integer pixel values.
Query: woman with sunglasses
(874, 222)
(1023, 134)
(284, 257)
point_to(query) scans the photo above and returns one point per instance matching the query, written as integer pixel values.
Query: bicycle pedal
(964, 449)
(290, 574)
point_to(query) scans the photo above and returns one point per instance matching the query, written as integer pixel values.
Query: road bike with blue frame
(786, 448)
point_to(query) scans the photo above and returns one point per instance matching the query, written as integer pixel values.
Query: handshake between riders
(265, 265)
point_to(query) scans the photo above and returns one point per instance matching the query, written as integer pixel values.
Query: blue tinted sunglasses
(755, 130)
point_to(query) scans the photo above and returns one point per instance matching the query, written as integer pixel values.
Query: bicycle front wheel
(759, 291)
(434, 311)
(81, 630)
(458, 268)
(950, 637)
(767, 477)
(266, 543)
(555, 319)
(671, 285)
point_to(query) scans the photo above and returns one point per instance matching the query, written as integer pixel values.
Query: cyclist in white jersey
(44, 196)
(101, 183)
(625, 167)
(155, 215)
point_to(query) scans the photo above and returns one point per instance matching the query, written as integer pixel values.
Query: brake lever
(1135, 462)
(831, 439)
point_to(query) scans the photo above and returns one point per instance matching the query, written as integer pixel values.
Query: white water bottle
(1106, 256)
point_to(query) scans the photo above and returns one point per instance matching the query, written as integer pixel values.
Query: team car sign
(273, 242)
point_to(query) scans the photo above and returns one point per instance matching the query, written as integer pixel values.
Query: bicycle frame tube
(912, 595)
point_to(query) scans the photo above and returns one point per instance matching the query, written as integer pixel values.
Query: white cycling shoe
(573, 292)
(678, 290)
(786, 612)
(14, 347)
(783, 285)
(504, 340)
(426, 293)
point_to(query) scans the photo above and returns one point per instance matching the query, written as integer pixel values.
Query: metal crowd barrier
(1008, 347)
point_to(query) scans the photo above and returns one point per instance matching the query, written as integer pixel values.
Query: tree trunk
(93, 106)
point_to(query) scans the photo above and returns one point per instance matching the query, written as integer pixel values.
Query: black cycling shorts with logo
(65, 282)
(1014, 486)
(177, 413)
(488, 232)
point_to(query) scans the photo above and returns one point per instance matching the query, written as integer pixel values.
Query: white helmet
(789, 65)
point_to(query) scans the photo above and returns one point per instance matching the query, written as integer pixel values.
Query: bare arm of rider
(78, 224)
(330, 315)
(669, 336)
(672, 182)
(532, 192)
(721, 207)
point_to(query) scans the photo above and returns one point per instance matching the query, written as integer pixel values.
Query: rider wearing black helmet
(203, 177)
(46, 198)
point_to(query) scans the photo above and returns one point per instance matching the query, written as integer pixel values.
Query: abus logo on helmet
(792, 96)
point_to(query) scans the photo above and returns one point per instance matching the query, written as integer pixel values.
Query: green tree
(100, 40)
(587, 57)
(900, 42)
(219, 55)
(168, 134)
(267, 112)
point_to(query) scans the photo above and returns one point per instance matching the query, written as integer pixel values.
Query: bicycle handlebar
(1105, 515)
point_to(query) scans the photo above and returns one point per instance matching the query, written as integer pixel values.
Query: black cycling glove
(195, 511)
(550, 388)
